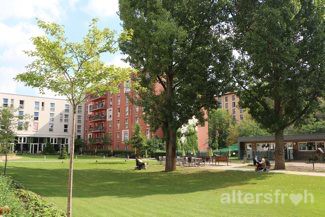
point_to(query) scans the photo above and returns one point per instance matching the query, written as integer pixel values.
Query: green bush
(63, 153)
(48, 149)
(8, 198)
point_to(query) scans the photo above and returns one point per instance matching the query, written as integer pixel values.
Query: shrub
(63, 153)
(48, 149)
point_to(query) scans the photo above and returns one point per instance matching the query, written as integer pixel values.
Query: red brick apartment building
(114, 115)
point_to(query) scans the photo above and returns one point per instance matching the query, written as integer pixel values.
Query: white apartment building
(46, 120)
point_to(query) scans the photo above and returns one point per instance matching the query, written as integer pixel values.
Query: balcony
(95, 97)
(97, 129)
(97, 106)
(100, 117)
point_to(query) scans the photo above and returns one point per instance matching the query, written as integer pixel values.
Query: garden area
(111, 187)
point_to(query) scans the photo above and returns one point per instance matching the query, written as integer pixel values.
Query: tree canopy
(181, 54)
(280, 66)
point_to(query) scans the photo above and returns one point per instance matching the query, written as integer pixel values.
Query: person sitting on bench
(139, 164)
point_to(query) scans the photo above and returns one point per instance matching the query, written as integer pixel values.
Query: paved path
(236, 167)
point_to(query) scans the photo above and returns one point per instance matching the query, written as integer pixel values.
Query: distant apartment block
(230, 102)
(112, 116)
(47, 121)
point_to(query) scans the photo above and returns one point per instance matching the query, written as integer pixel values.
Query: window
(20, 115)
(22, 140)
(65, 128)
(51, 127)
(118, 135)
(90, 107)
(109, 114)
(12, 103)
(226, 99)
(226, 105)
(321, 145)
(79, 109)
(53, 140)
(36, 116)
(79, 119)
(125, 135)
(51, 117)
(233, 97)
(110, 101)
(118, 100)
(137, 108)
(234, 111)
(43, 106)
(118, 124)
(61, 117)
(110, 124)
(307, 146)
(5, 102)
(66, 108)
(20, 125)
(233, 104)
(35, 126)
(241, 110)
(36, 105)
(127, 110)
(126, 123)
(21, 104)
(118, 112)
(66, 118)
(127, 86)
(79, 129)
(148, 133)
(52, 106)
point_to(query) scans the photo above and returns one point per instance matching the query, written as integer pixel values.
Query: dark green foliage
(280, 67)
(181, 60)
(63, 153)
(49, 149)
(138, 140)
(79, 145)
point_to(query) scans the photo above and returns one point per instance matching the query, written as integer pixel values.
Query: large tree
(181, 54)
(280, 66)
(73, 70)
(7, 133)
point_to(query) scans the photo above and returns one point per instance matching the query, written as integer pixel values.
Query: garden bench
(221, 159)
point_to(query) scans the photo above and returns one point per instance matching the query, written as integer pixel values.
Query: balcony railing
(97, 106)
(97, 129)
(97, 117)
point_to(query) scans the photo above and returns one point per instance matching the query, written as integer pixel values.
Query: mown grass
(111, 187)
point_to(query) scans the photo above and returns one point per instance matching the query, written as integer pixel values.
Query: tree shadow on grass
(129, 183)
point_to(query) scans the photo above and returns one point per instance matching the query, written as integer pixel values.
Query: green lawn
(111, 187)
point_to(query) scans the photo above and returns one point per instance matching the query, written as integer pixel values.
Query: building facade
(42, 120)
(297, 147)
(110, 120)
(230, 102)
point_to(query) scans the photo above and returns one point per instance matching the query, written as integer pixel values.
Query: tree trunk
(70, 180)
(5, 167)
(279, 151)
(171, 151)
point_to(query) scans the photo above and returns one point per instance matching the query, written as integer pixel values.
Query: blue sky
(18, 25)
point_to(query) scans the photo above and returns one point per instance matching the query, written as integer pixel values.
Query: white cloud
(102, 8)
(7, 84)
(117, 61)
(29, 9)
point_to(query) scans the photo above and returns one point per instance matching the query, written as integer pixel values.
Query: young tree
(181, 54)
(138, 141)
(280, 68)
(7, 133)
(79, 145)
(191, 139)
(73, 70)
(219, 122)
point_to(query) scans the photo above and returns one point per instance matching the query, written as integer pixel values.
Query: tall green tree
(181, 54)
(280, 68)
(249, 127)
(219, 123)
(138, 140)
(73, 70)
(7, 133)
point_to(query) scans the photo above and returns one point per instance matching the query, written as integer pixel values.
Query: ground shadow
(129, 183)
